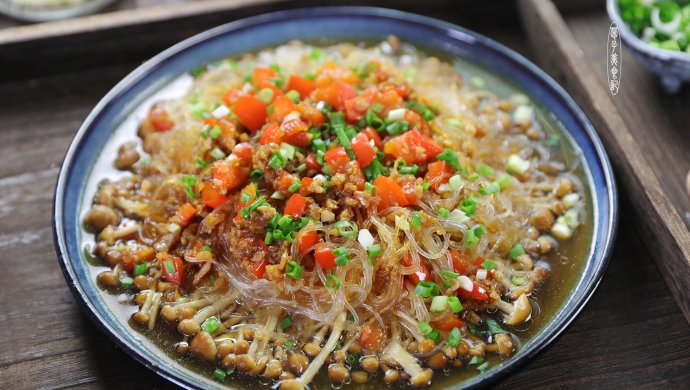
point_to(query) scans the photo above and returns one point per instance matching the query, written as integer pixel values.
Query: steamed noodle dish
(354, 212)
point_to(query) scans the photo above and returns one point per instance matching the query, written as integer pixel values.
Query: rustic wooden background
(631, 334)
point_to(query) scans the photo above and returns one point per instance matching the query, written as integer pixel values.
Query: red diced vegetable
(272, 134)
(173, 269)
(306, 241)
(389, 192)
(413, 147)
(302, 85)
(160, 119)
(364, 151)
(438, 172)
(295, 205)
(324, 256)
(337, 158)
(251, 112)
(211, 197)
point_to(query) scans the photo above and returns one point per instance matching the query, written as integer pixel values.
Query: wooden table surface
(630, 335)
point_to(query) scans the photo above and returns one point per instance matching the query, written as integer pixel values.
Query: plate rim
(588, 286)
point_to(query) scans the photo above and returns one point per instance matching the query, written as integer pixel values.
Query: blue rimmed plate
(119, 107)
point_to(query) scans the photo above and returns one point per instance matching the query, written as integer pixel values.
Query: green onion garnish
(489, 265)
(425, 186)
(246, 197)
(408, 169)
(140, 269)
(277, 160)
(426, 289)
(424, 328)
(293, 95)
(416, 220)
(475, 360)
(301, 168)
(219, 374)
(483, 367)
(289, 344)
(169, 267)
(469, 206)
(266, 95)
(295, 186)
(250, 209)
(374, 250)
(449, 274)
(434, 335)
(503, 181)
(438, 304)
(455, 304)
(332, 282)
(490, 188)
(450, 157)
(346, 229)
(493, 326)
(454, 338)
(126, 282)
(211, 325)
(188, 181)
(215, 132)
(285, 323)
(217, 154)
(485, 170)
(518, 280)
(443, 213)
(293, 269)
(257, 174)
(516, 251)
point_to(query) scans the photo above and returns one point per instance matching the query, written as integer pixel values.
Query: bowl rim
(638, 44)
(600, 258)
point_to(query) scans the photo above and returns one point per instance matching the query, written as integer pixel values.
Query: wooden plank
(661, 225)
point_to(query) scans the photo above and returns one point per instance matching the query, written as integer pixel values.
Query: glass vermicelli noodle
(356, 210)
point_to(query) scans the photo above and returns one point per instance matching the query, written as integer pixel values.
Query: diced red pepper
(371, 336)
(262, 77)
(211, 197)
(250, 111)
(304, 189)
(324, 256)
(260, 268)
(306, 241)
(422, 275)
(461, 264)
(389, 192)
(447, 324)
(312, 162)
(231, 175)
(187, 212)
(295, 205)
(272, 134)
(438, 172)
(413, 147)
(160, 119)
(363, 149)
(243, 152)
(231, 97)
(301, 139)
(373, 135)
(477, 293)
(310, 113)
(302, 85)
(177, 268)
(337, 158)
(282, 106)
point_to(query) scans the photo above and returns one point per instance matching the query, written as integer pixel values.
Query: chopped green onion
(401, 223)
(293, 269)
(199, 110)
(287, 150)
(408, 169)
(483, 367)
(449, 274)
(443, 212)
(475, 360)
(315, 53)
(485, 170)
(295, 186)
(189, 181)
(455, 182)
(217, 154)
(201, 162)
(212, 279)
(257, 174)
(469, 206)
(246, 211)
(372, 120)
(140, 269)
(490, 188)
(211, 325)
(479, 231)
(346, 229)
(439, 304)
(285, 323)
(293, 95)
(289, 345)
(516, 251)
(447, 283)
(493, 326)
(342, 256)
(471, 239)
(215, 132)
(246, 197)
(266, 95)
(277, 160)
(369, 187)
(206, 248)
(454, 338)
(434, 335)
(449, 157)
(424, 328)
(126, 282)
(301, 168)
(489, 265)
(518, 280)
(374, 250)
(219, 374)
(426, 289)
(454, 122)
(351, 359)
(517, 165)
(332, 282)
(425, 186)
(503, 181)
(396, 128)
(169, 266)
(454, 304)
(416, 220)
(268, 238)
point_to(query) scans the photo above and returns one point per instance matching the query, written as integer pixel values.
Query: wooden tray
(645, 131)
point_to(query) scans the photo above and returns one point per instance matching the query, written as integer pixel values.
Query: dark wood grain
(631, 334)
(647, 139)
